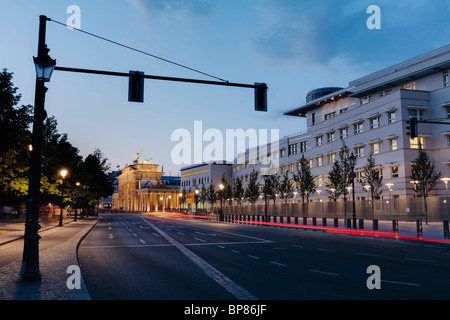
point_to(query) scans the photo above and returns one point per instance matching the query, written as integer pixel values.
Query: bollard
(349, 223)
(375, 224)
(324, 222)
(314, 222)
(446, 229)
(281, 219)
(361, 224)
(296, 220)
(288, 220)
(395, 227)
(305, 221)
(419, 228)
(336, 222)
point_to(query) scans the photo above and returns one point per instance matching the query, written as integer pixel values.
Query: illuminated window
(376, 147)
(331, 158)
(319, 161)
(409, 86)
(393, 144)
(417, 143)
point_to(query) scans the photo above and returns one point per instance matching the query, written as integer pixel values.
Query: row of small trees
(283, 186)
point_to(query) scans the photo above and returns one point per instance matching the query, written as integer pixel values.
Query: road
(160, 257)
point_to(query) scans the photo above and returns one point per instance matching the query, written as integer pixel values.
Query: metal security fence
(400, 209)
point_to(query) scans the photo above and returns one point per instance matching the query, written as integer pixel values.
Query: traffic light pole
(260, 88)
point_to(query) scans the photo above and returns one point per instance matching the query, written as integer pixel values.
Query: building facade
(369, 116)
(143, 188)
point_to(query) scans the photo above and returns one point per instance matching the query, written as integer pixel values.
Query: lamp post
(77, 184)
(63, 174)
(390, 185)
(44, 68)
(221, 186)
(352, 161)
(446, 180)
(266, 195)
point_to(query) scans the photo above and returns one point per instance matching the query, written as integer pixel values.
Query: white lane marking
(200, 239)
(327, 250)
(254, 257)
(142, 241)
(205, 234)
(222, 247)
(236, 290)
(134, 234)
(323, 272)
(404, 283)
(279, 264)
(297, 246)
(155, 234)
(181, 233)
(420, 260)
(235, 251)
(365, 254)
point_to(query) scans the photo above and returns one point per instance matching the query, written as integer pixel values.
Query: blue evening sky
(292, 45)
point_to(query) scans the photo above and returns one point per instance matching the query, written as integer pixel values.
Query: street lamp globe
(44, 66)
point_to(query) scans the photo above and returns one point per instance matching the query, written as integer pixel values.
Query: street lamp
(352, 161)
(77, 184)
(221, 186)
(44, 67)
(266, 195)
(63, 174)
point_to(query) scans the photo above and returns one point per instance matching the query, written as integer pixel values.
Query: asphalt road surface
(161, 257)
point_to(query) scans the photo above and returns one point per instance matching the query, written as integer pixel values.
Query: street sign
(352, 175)
(190, 198)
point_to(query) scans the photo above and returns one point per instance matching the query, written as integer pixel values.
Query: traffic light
(136, 87)
(411, 128)
(260, 97)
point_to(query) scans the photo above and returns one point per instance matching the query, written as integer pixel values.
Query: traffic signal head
(136, 87)
(260, 96)
(411, 128)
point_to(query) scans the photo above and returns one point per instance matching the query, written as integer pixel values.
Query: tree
(304, 180)
(238, 191)
(424, 176)
(333, 184)
(212, 195)
(372, 178)
(286, 189)
(252, 191)
(14, 140)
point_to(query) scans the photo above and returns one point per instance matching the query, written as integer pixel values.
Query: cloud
(322, 32)
(191, 7)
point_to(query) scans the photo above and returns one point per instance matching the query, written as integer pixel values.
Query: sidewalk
(58, 250)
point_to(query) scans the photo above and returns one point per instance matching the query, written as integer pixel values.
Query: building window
(393, 144)
(446, 84)
(313, 118)
(358, 128)
(293, 148)
(344, 133)
(376, 147)
(394, 172)
(391, 117)
(330, 115)
(359, 152)
(319, 141)
(366, 100)
(416, 113)
(448, 112)
(331, 158)
(409, 86)
(330, 137)
(319, 161)
(448, 140)
(319, 181)
(282, 153)
(417, 143)
(309, 162)
(291, 167)
(385, 92)
(343, 110)
(374, 123)
(303, 146)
